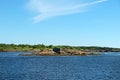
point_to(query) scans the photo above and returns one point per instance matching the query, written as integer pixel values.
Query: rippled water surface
(100, 67)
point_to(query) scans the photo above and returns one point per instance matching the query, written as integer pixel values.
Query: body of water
(99, 67)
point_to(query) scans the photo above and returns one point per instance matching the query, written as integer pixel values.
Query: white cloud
(50, 8)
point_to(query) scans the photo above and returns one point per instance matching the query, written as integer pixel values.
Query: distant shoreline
(50, 50)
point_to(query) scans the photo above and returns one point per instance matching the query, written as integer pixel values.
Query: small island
(50, 50)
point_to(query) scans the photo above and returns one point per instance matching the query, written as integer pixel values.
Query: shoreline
(50, 50)
(38, 53)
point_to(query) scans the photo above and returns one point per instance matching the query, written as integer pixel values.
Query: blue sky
(60, 22)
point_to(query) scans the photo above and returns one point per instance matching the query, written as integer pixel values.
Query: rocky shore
(60, 52)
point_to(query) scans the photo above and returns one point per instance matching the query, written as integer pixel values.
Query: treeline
(27, 47)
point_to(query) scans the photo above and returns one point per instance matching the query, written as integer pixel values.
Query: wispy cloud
(50, 8)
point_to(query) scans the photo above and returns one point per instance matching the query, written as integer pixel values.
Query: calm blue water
(101, 67)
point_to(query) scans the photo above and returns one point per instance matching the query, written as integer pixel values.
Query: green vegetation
(39, 47)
